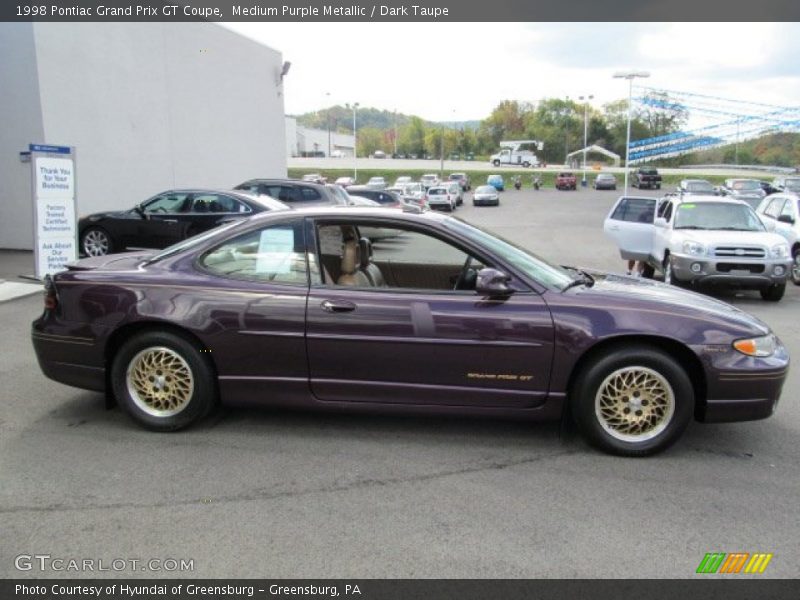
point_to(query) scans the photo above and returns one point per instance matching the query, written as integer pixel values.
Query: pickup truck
(701, 239)
(646, 177)
(566, 181)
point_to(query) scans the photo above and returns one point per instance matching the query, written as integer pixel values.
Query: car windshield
(455, 177)
(533, 266)
(717, 215)
(193, 241)
(792, 185)
(746, 185)
(699, 186)
(341, 196)
(485, 189)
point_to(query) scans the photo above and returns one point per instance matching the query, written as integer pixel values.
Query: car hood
(633, 292)
(123, 261)
(721, 238)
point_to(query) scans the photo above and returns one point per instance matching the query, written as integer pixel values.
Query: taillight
(50, 293)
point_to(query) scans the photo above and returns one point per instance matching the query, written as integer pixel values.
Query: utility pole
(630, 76)
(585, 133)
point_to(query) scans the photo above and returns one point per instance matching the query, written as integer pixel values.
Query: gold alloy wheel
(160, 381)
(634, 404)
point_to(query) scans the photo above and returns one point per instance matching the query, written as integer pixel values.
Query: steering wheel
(466, 278)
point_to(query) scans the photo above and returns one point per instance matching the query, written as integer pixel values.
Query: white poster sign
(54, 199)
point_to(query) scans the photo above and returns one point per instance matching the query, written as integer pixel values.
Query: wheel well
(685, 357)
(795, 248)
(124, 333)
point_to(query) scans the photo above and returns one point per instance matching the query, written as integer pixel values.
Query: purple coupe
(358, 308)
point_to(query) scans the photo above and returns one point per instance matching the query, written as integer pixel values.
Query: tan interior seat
(352, 275)
(369, 268)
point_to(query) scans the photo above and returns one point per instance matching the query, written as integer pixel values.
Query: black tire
(796, 266)
(669, 278)
(203, 390)
(526, 164)
(670, 379)
(496, 163)
(774, 292)
(648, 272)
(92, 242)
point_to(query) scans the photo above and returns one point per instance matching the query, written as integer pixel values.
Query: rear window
(635, 210)
(437, 191)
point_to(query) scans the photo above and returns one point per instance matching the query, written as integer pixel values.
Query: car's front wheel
(163, 381)
(96, 241)
(796, 267)
(632, 401)
(774, 292)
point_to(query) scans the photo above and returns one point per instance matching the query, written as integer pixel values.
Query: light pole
(630, 76)
(328, 100)
(395, 132)
(355, 142)
(585, 132)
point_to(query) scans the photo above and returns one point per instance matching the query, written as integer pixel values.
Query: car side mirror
(493, 282)
(660, 222)
(786, 219)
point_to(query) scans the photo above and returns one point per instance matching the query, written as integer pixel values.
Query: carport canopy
(599, 150)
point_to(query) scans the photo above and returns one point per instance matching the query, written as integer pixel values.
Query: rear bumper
(486, 201)
(57, 355)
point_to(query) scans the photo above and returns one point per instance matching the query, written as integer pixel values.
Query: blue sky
(460, 71)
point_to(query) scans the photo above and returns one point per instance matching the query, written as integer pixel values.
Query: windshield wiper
(583, 279)
(690, 227)
(734, 229)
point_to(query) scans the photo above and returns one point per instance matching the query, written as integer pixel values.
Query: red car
(566, 181)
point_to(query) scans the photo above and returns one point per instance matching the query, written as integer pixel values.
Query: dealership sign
(55, 228)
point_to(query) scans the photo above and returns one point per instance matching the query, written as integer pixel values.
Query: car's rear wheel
(774, 292)
(96, 241)
(163, 381)
(633, 401)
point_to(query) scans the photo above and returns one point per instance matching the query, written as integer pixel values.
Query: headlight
(760, 346)
(694, 248)
(780, 251)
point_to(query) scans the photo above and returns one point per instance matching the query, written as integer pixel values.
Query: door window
(217, 203)
(774, 208)
(788, 209)
(273, 254)
(634, 210)
(401, 258)
(167, 203)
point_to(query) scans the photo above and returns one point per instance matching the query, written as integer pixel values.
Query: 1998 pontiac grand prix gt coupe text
(300, 309)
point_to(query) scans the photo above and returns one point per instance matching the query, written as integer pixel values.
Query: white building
(303, 141)
(148, 106)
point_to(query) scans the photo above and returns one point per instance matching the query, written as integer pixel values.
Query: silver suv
(704, 239)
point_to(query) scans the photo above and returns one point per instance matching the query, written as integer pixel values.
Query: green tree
(369, 139)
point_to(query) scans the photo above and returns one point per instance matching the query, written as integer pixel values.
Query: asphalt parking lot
(285, 494)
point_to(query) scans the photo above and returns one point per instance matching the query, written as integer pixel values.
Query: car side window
(787, 210)
(217, 203)
(309, 194)
(397, 258)
(774, 208)
(168, 203)
(635, 210)
(273, 254)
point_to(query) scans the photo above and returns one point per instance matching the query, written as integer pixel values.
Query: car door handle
(337, 307)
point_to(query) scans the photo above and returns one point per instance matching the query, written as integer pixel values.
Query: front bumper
(739, 387)
(486, 201)
(731, 270)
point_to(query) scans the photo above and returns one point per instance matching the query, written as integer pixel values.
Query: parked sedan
(486, 195)
(701, 187)
(292, 192)
(384, 198)
(376, 183)
(462, 179)
(747, 190)
(299, 309)
(428, 180)
(166, 218)
(566, 181)
(345, 182)
(605, 181)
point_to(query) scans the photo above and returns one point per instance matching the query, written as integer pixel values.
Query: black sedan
(167, 218)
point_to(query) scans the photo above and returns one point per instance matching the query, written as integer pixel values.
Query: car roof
(269, 180)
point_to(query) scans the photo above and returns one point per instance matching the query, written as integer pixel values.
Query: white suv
(701, 239)
(438, 196)
(781, 212)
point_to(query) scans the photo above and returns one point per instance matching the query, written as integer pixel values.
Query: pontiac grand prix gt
(304, 309)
